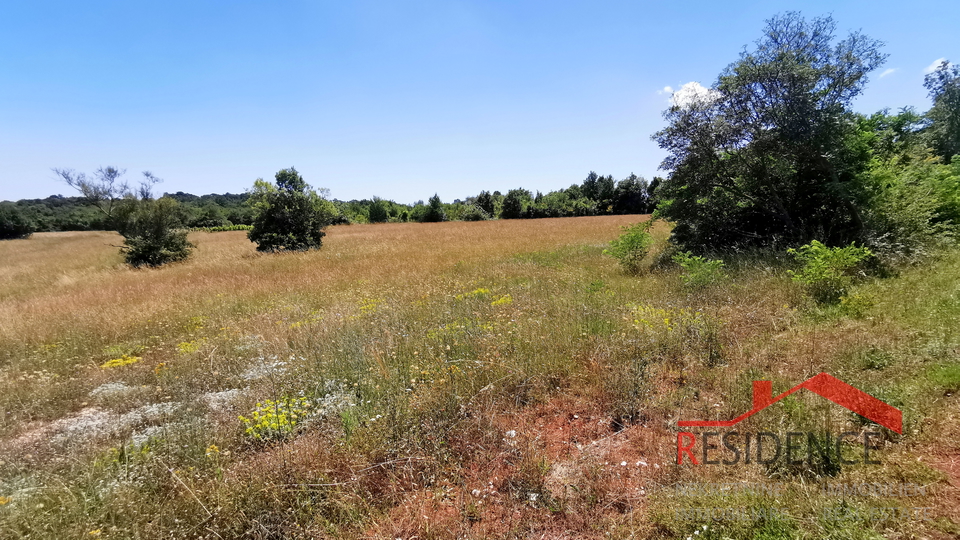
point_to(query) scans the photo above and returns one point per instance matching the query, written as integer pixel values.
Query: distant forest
(596, 195)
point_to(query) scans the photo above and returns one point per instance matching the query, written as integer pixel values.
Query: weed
(631, 246)
(124, 360)
(276, 419)
(827, 272)
(698, 271)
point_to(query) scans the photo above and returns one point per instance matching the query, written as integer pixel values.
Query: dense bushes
(13, 224)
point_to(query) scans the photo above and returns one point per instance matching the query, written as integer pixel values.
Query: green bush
(631, 246)
(915, 209)
(698, 271)
(289, 216)
(474, 213)
(152, 233)
(13, 224)
(827, 272)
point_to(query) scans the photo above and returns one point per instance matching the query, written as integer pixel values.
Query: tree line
(596, 195)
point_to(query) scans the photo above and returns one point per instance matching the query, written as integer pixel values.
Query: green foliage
(914, 208)
(474, 213)
(827, 272)
(515, 204)
(770, 153)
(433, 212)
(378, 211)
(698, 271)
(484, 201)
(944, 87)
(13, 224)
(289, 216)
(152, 229)
(151, 232)
(631, 246)
(276, 419)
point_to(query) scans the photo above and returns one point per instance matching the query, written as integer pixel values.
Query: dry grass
(477, 380)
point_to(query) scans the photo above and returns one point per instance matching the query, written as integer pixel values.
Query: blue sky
(394, 98)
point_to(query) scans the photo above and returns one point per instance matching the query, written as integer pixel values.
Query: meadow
(492, 379)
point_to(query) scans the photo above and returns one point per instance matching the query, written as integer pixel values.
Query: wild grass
(481, 380)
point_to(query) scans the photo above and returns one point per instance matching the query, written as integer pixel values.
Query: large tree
(771, 153)
(944, 87)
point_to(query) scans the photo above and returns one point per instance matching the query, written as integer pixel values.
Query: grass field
(499, 379)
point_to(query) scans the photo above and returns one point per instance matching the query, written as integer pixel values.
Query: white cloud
(666, 90)
(693, 93)
(933, 67)
(890, 71)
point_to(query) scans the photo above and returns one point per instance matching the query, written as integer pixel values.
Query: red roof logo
(824, 385)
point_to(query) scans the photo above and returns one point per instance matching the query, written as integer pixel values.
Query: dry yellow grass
(76, 282)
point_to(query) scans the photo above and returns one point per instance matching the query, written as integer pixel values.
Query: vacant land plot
(476, 380)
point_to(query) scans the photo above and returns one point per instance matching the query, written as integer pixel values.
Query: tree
(151, 228)
(152, 231)
(378, 211)
(630, 195)
(484, 201)
(771, 153)
(944, 87)
(106, 189)
(433, 212)
(13, 224)
(515, 204)
(289, 216)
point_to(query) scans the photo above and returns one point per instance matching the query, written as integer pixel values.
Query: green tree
(378, 211)
(13, 223)
(515, 204)
(289, 216)
(944, 87)
(152, 229)
(484, 201)
(771, 153)
(630, 195)
(433, 212)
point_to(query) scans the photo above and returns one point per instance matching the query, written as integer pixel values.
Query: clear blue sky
(393, 98)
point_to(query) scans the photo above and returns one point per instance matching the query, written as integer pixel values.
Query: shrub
(13, 224)
(632, 246)
(474, 213)
(699, 272)
(151, 232)
(827, 272)
(289, 216)
(915, 210)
